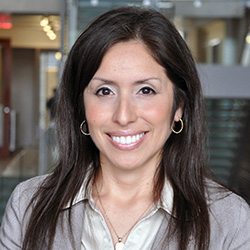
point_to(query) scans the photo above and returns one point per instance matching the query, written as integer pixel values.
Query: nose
(125, 111)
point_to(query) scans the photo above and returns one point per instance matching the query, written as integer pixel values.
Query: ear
(178, 114)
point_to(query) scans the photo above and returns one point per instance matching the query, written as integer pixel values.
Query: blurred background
(35, 38)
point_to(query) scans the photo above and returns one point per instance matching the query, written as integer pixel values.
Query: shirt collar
(84, 191)
(167, 198)
(165, 202)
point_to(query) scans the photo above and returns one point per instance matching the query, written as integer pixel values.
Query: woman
(133, 176)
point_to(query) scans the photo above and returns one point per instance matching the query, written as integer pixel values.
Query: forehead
(129, 56)
(122, 48)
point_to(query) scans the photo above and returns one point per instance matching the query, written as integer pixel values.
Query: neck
(127, 184)
(123, 197)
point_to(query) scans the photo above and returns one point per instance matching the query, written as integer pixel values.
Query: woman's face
(128, 105)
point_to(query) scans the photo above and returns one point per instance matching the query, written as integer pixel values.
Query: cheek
(95, 115)
(159, 113)
(92, 109)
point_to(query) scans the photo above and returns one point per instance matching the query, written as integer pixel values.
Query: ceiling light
(49, 32)
(146, 2)
(58, 55)
(52, 36)
(44, 21)
(46, 28)
(94, 2)
(197, 3)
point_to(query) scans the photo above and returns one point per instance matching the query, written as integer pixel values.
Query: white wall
(220, 81)
(30, 6)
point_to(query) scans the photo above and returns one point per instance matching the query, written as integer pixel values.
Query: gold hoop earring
(182, 126)
(81, 128)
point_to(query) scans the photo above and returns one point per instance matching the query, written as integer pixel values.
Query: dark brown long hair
(183, 155)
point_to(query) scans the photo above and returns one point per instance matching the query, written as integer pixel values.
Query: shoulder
(25, 190)
(14, 221)
(229, 218)
(224, 202)
(31, 185)
(227, 205)
(220, 198)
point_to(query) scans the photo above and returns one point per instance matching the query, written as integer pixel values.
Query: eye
(147, 91)
(104, 91)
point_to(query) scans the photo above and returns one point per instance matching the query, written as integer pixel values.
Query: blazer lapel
(64, 239)
(159, 241)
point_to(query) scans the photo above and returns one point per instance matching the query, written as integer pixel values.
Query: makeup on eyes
(106, 87)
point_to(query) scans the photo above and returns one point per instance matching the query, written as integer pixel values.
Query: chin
(127, 166)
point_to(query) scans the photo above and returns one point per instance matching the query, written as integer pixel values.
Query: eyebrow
(103, 80)
(137, 82)
(147, 79)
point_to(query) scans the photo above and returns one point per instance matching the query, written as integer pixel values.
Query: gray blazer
(229, 216)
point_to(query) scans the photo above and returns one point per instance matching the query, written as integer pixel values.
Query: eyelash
(149, 90)
(100, 91)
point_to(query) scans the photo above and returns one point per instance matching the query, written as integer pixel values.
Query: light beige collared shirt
(96, 235)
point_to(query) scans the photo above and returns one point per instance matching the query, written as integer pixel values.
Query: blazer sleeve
(230, 223)
(241, 239)
(11, 229)
(15, 219)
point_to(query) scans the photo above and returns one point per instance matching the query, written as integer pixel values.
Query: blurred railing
(228, 150)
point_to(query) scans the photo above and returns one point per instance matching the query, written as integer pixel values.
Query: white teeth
(133, 139)
(127, 139)
(123, 140)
